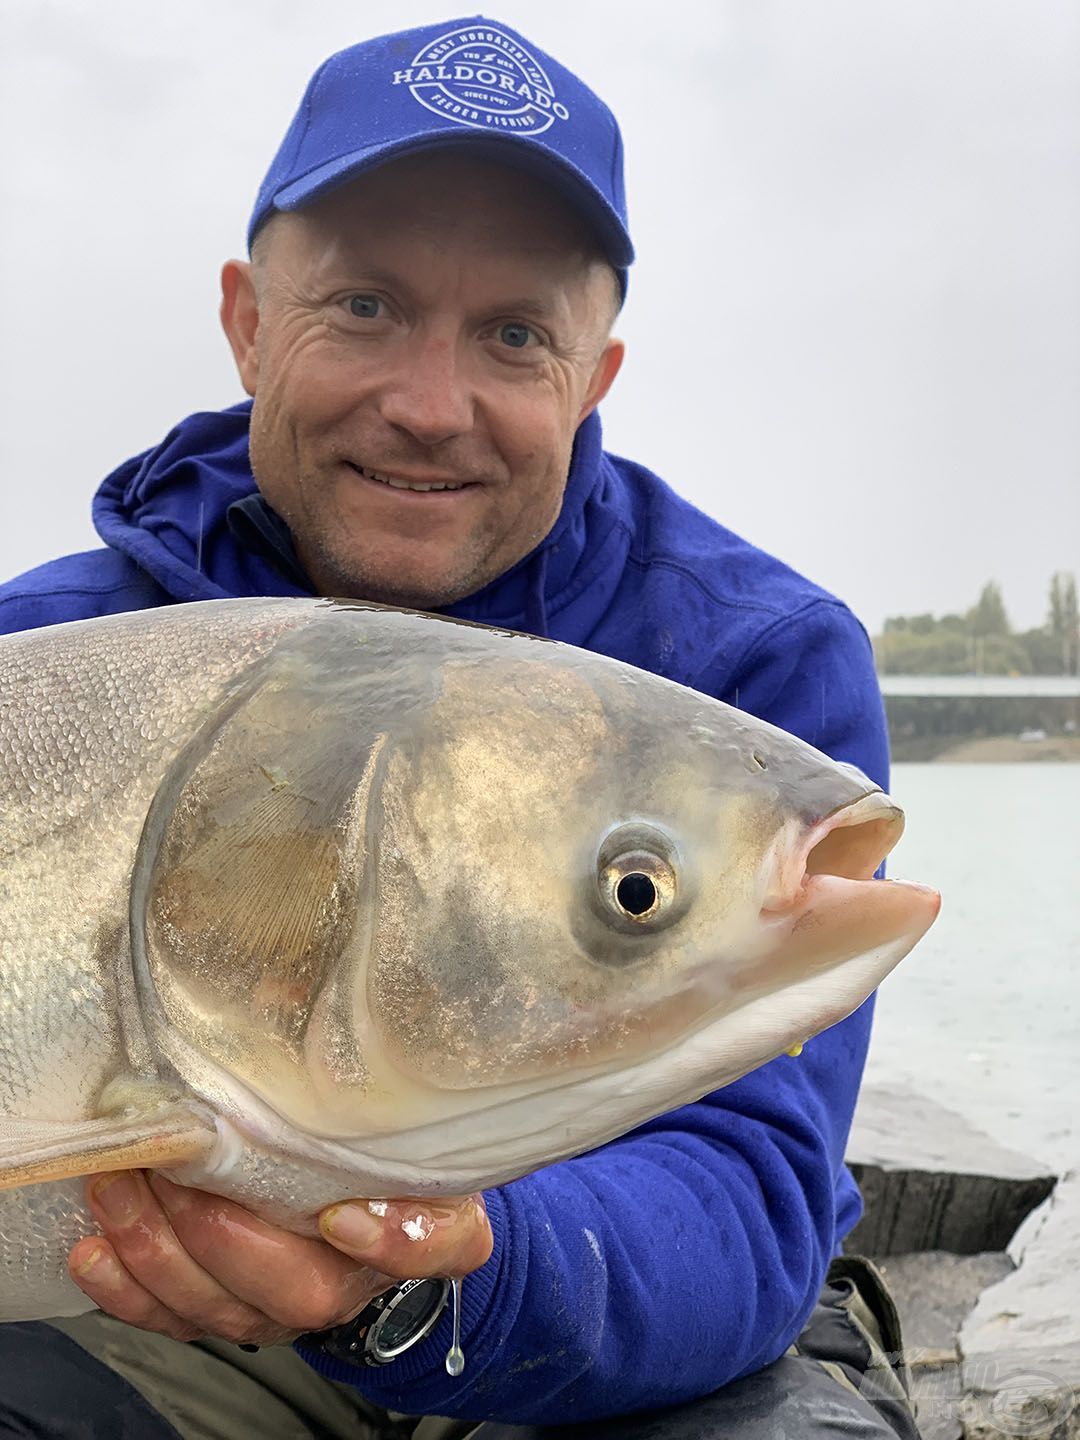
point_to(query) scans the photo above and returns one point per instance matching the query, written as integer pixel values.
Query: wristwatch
(389, 1325)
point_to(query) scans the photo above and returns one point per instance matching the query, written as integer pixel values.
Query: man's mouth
(401, 482)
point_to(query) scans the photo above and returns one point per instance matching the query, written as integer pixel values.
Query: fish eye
(636, 877)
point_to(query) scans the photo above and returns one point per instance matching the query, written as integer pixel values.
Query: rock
(1021, 1343)
(931, 1181)
(939, 1401)
(934, 1291)
(993, 1339)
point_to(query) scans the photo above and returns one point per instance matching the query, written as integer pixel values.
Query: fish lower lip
(838, 918)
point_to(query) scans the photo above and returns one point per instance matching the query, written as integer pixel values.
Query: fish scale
(104, 780)
(80, 744)
(38, 1226)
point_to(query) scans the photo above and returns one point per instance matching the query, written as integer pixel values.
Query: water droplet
(455, 1359)
(418, 1226)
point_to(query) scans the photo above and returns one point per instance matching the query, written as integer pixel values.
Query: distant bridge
(988, 687)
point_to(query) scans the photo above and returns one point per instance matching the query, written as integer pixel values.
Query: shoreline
(989, 750)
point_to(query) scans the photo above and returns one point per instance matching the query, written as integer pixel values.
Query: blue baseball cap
(471, 82)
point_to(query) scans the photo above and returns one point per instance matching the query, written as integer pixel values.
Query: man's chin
(406, 592)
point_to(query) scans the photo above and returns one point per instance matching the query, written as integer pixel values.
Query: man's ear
(240, 319)
(603, 377)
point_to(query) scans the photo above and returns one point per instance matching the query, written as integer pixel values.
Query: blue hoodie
(690, 1252)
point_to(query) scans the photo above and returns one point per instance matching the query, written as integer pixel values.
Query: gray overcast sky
(854, 327)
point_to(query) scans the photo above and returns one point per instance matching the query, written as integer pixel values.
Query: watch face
(408, 1314)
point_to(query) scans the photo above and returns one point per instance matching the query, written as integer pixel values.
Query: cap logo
(484, 79)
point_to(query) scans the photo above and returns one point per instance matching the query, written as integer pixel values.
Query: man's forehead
(447, 192)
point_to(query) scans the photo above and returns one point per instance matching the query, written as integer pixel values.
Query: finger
(156, 1261)
(296, 1281)
(409, 1239)
(94, 1267)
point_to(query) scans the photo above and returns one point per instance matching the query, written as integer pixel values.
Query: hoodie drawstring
(535, 604)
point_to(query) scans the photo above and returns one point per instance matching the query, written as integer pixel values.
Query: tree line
(982, 642)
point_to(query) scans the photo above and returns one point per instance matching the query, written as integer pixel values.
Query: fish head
(586, 863)
(474, 901)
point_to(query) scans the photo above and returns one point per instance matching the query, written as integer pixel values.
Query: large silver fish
(306, 900)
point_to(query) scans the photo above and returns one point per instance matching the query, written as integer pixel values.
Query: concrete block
(932, 1181)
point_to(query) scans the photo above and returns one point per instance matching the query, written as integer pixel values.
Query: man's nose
(428, 394)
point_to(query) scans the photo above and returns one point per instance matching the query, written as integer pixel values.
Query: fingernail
(91, 1261)
(119, 1196)
(99, 1267)
(352, 1225)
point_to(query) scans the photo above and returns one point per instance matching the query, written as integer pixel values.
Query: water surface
(984, 1015)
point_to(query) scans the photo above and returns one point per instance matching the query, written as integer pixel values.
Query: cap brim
(523, 154)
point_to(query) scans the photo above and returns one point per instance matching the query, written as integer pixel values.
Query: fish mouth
(825, 907)
(849, 843)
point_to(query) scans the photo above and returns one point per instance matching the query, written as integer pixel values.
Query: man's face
(441, 322)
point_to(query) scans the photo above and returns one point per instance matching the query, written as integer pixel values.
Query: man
(438, 255)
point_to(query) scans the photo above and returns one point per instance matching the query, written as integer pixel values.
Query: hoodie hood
(188, 513)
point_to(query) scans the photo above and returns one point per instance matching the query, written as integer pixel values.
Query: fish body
(311, 899)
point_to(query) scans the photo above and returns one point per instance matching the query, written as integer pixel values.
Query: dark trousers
(94, 1378)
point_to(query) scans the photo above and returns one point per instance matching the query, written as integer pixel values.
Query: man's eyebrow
(530, 305)
(359, 272)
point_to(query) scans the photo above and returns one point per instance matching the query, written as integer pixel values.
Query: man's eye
(365, 306)
(516, 336)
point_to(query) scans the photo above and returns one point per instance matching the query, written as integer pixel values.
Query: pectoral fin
(34, 1151)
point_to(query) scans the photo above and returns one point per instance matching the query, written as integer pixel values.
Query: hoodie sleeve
(691, 1251)
(76, 587)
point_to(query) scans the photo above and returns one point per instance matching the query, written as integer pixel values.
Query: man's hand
(189, 1264)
